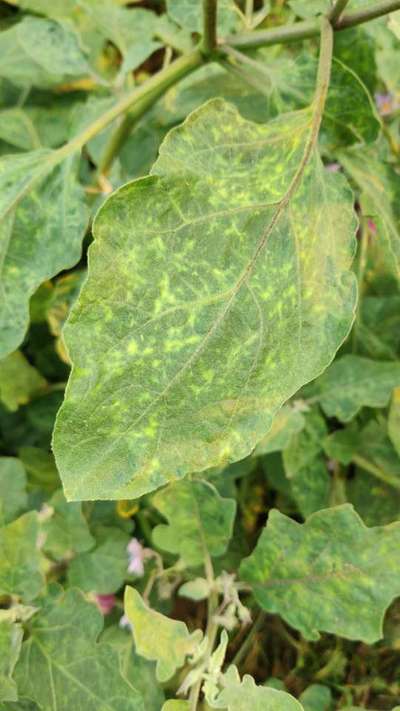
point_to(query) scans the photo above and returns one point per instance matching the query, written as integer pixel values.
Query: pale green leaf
(158, 637)
(394, 420)
(353, 382)
(13, 497)
(63, 667)
(176, 705)
(19, 381)
(10, 646)
(104, 569)
(42, 53)
(66, 529)
(379, 187)
(288, 422)
(38, 238)
(20, 559)
(18, 130)
(200, 520)
(244, 695)
(330, 574)
(210, 319)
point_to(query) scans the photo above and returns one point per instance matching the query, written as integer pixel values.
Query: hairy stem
(241, 653)
(211, 629)
(209, 40)
(309, 28)
(337, 10)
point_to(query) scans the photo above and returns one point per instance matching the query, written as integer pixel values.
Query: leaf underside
(217, 287)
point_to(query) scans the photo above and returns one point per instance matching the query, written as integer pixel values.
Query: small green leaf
(19, 381)
(13, 497)
(329, 574)
(200, 520)
(305, 467)
(63, 667)
(176, 705)
(66, 530)
(10, 645)
(20, 559)
(288, 422)
(104, 569)
(316, 698)
(210, 320)
(245, 695)
(353, 382)
(159, 638)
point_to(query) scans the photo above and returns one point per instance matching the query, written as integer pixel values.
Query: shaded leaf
(19, 381)
(104, 569)
(329, 574)
(200, 520)
(62, 666)
(158, 637)
(244, 695)
(206, 304)
(41, 236)
(66, 530)
(10, 646)
(42, 53)
(353, 382)
(20, 559)
(316, 698)
(379, 187)
(13, 497)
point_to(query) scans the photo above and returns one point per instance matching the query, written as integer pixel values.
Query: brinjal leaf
(217, 287)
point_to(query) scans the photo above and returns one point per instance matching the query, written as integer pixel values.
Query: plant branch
(376, 471)
(140, 99)
(248, 641)
(209, 40)
(309, 28)
(337, 10)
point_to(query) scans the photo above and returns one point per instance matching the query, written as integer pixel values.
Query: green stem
(140, 99)
(241, 654)
(309, 28)
(337, 10)
(209, 40)
(376, 471)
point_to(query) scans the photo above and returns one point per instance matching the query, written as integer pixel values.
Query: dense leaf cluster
(199, 355)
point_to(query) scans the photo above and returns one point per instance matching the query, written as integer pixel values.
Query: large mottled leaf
(43, 219)
(20, 560)
(243, 695)
(329, 574)
(353, 382)
(230, 288)
(13, 497)
(63, 667)
(42, 53)
(10, 645)
(19, 381)
(200, 520)
(379, 187)
(158, 637)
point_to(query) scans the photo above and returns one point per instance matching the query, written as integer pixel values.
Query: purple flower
(332, 167)
(371, 226)
(136, 554)
(105, 603)
(386, 103)
(124, 622)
